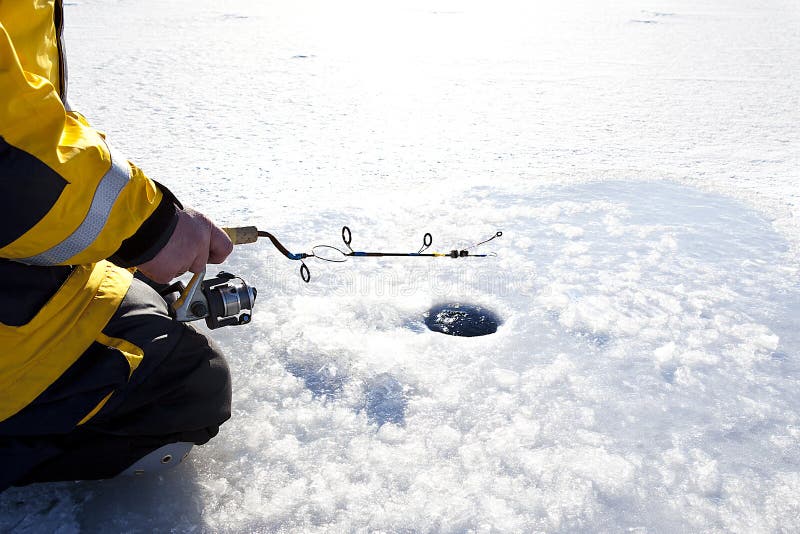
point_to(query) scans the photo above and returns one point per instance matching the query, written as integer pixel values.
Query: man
(94, 373)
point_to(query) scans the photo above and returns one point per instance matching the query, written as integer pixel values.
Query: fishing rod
(227, 300)
(250, 234)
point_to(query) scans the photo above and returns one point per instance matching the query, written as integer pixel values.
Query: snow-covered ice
(641, 159)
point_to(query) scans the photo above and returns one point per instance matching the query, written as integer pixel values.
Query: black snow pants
(181, 391)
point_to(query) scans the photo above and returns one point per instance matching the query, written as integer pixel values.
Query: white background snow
(641, 158)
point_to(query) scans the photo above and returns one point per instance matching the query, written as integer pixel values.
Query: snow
(641, 159)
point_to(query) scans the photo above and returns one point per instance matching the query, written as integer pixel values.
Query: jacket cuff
(152, 235)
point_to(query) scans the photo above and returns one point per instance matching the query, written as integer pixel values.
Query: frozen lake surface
(641, 159)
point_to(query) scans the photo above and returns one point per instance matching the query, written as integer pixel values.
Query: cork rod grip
(242, 234)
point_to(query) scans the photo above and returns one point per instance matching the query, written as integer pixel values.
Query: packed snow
(641, 160)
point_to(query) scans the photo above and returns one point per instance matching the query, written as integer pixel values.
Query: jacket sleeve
(66, 197)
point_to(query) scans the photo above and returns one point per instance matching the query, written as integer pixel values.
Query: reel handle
(241, 235)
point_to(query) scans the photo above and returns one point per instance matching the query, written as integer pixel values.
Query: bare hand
(195, 242)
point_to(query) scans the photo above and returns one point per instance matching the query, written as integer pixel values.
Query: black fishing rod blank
(250, 234)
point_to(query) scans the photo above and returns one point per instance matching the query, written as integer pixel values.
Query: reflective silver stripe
(105, 195)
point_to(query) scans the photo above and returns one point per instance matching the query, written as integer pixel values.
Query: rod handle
(242, 235)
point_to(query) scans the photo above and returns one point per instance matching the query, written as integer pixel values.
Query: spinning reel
(225, 300)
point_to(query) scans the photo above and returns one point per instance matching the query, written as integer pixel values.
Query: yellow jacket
(66, 199)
